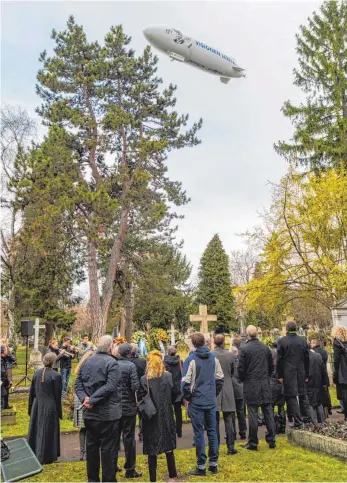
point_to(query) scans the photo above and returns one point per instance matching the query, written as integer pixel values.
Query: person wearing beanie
(130, 385)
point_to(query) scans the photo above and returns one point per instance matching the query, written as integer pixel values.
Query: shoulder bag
(146, 406)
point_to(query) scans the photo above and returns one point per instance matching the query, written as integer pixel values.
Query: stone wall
(317, 442)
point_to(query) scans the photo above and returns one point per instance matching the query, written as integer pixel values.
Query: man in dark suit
(293, 369)
(255, 369)
(140, 364)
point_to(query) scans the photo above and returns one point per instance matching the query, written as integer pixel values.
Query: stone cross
(203, 318)
(37, 328)
(172, 334)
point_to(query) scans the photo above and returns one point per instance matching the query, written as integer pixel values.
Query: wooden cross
(203, 318)
(172, 334)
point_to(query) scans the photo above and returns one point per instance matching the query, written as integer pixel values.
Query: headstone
(35, 356)
(203, 318)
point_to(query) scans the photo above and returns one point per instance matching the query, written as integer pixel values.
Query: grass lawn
(285, 463)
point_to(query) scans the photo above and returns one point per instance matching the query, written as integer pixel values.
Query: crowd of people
(114, 385)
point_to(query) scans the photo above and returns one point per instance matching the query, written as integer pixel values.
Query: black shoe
(340, 411)
(132, 474)
(197, 472)
(8, 407)
(243, 436)
(213, 469)
(272, 445)
(232, 451)
(250, 447)
(282, 431)
(297, 426)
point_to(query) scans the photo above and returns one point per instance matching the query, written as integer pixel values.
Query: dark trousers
(6, 396)
(171, 465)
(102, 441)
(177, 406)
(280, 418)
(253, 423)
(241, 419)
(2, 402)
(300, 412)
(229, 429)
(317, 414)
(140, 427)
(204, 418)
(127, 429)
(83, 439)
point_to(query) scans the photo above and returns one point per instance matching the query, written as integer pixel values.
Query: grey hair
(252, 331)
(134, 348)
(49, 359)
(172, 350)
(105, 343)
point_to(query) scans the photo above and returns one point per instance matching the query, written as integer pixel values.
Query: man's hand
(281, 380)
(307, 379)
(86, 403)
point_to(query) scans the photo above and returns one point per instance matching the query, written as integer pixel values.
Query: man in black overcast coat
(140, 364)
(255, 369)
(293, 369)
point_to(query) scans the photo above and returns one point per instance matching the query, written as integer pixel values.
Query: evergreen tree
(215, 283)
(320, 137)
(110, 103)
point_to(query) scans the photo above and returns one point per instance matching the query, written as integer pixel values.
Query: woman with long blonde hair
(159, 432)
(339, 333)
(78, 421)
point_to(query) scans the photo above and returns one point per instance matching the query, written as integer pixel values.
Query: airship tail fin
(225, 80)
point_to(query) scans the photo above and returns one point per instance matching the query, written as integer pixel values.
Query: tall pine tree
(320, 136)
(215, 283)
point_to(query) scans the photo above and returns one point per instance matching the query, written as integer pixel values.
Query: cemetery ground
(285, 463)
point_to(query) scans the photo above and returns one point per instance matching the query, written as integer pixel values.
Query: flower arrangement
(268, 341)
(162, 335)
(119, 340)
(139, 334)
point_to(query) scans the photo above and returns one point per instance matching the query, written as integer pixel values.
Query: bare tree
(242, 266)
(17, 130)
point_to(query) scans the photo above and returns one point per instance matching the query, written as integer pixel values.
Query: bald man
(255, 369)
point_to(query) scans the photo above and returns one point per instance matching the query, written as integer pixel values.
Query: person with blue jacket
(202, 381)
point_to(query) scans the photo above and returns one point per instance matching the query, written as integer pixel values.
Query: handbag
(146, 406)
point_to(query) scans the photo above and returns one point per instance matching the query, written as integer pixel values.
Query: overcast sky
(226, 176)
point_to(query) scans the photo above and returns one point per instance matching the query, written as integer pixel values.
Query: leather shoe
(232, 451)
(197, 472)
(272, 445)
(132, 474)
(8, 407)
(340, 411)
(243, 436)
(250, 447)
(213, 469)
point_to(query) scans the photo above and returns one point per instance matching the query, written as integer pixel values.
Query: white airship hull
(186, 49)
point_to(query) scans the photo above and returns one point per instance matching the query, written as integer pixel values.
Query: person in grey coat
(238, 393)
(225, 399)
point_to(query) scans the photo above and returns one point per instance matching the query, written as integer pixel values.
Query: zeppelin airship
(181, 48)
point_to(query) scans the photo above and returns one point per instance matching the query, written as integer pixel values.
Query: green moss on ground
(285, 463)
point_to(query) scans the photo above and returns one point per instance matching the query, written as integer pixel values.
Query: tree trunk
(112, 266)
(97, 321)
(49, 332)
(122, 323)
(129, 299)
(11, 334)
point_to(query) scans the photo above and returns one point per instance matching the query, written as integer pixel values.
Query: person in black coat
(5, 382)
(98, 386)
(314, 385)
(326, 400)
(173, 365)
(277, 396)
(255, 369)
(293, 369)
(130, 385)
(140, 364)
(45, 411)
(340, 364)
(159, 432)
